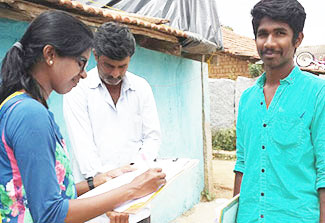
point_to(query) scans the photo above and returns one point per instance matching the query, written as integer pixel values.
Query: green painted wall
(176, 84)
(10, 32)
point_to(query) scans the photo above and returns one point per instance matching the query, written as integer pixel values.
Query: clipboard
(228, 212)
(171, 167)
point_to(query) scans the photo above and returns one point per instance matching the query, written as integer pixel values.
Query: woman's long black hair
(69, 37)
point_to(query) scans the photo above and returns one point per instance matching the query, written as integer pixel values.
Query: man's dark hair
(114, 41)
(287, 11)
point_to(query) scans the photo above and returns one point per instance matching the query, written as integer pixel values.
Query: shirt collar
(289, 79)
(95, 81)
(127, 84)
(261, 80)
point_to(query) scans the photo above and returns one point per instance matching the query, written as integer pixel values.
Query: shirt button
(264, 125)
(262, 216)
(263, 170)
(262, 194)
(263, 147)
(262, 103)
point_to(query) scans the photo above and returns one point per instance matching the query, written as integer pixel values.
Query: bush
(255, 70)
(224, 139)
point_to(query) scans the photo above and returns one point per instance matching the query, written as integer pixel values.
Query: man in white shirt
(111, 115)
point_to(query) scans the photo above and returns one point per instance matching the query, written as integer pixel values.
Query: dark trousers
(146, 220)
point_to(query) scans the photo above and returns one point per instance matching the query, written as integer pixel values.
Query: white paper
(171, 167)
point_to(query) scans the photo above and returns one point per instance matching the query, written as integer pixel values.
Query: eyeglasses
(83, 62)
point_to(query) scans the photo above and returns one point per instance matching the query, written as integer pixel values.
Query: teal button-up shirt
(281, 150)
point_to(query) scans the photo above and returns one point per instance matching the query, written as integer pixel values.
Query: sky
(236, 14)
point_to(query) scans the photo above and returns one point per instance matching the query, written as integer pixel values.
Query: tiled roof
(238, 45)
(126, 18)
(150, 33)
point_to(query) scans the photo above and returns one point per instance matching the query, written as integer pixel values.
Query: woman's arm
(34, 148)
(82, 210)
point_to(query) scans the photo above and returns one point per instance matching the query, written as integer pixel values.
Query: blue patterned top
(36, 180)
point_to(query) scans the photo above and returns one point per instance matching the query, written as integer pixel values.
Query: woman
(36, 182)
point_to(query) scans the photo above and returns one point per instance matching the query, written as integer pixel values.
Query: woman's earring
(51, 62)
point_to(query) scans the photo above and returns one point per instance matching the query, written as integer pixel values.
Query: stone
(222, 100)
(242, 83)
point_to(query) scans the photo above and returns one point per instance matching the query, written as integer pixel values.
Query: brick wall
(229, 67)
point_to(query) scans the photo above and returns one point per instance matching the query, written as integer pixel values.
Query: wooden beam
(153, 34)
(22, 10)
(27, 10)
(14, 15)
(206, 131)
(147, 38)
(31, 10)
(137, 30)
(197, 57)
(158, 45)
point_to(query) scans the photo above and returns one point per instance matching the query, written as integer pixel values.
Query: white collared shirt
(104, 136)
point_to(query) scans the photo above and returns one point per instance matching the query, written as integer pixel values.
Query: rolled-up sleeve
(318, 138)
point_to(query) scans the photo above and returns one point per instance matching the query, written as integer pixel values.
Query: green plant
(224, 139)
(228, 27)
(206, 195)
(218, 155)
(255, 70)
(232, 76)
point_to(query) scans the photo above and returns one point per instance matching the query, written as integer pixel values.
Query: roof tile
(120, 17)
(238, 45)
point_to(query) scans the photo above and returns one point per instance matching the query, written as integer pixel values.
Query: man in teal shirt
(280, 168)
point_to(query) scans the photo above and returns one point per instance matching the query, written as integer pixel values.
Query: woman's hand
(148, 182)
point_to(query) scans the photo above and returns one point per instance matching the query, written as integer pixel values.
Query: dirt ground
(223, 180)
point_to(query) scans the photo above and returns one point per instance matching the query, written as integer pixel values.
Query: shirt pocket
(287, 131)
